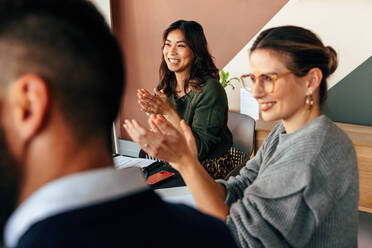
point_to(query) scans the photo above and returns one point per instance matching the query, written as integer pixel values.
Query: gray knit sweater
(300, 190)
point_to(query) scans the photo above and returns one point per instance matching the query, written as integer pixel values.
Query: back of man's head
(69, 45)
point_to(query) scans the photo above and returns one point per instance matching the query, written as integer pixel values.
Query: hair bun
(332, 58)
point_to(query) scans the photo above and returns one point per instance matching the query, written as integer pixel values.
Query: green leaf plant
(226, 81)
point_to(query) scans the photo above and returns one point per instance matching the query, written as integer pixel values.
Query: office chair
(242, 128)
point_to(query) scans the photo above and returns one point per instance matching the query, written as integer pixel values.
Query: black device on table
(159, 166)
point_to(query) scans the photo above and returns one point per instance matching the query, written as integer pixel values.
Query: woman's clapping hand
(153, 104)
(164, 141)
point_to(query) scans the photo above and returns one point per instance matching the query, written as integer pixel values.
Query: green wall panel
(350, 100)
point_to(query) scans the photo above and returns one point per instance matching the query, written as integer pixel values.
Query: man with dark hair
(61, 84)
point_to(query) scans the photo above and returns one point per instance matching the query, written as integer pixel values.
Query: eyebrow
(180, 41)
(271, 72)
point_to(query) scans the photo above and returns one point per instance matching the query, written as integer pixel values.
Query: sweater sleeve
(273, 212)
(210, 120)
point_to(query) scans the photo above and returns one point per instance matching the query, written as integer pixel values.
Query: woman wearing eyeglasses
(301, 188)
(189, 90)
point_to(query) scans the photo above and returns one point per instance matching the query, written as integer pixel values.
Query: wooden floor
(362, 139)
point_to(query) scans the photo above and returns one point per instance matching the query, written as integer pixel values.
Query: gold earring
(310, 101)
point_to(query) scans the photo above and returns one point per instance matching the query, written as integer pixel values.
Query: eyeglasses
(267, 80)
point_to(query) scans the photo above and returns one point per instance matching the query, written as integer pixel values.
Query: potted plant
(226, 81)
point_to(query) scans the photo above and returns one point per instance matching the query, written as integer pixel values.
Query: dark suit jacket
(138, 220)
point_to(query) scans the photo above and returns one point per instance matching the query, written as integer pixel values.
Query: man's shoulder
(138, 220)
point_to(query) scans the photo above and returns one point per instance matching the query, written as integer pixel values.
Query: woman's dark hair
(202, 64)
(304, 49)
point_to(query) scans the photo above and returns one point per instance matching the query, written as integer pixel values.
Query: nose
(258, 91)
(173, 50)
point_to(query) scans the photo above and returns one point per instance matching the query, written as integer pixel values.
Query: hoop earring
(309, 101)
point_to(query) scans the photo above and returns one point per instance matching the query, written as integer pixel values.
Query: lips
(265, 106)
(174, 61)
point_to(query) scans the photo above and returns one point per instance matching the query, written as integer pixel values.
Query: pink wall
(139, 24)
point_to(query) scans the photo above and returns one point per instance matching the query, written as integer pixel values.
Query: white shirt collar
(70, 192)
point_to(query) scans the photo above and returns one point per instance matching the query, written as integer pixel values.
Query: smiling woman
(189, 90)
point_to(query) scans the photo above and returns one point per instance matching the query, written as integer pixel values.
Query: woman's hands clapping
(150, 104)
(158, 104)
(164, 141)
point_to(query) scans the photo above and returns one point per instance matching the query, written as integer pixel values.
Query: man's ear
(31, 102)
(315, 76)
